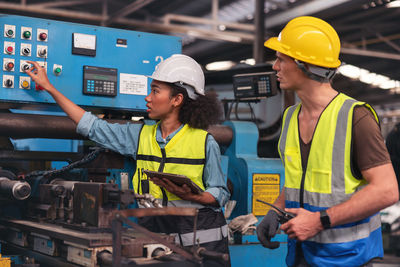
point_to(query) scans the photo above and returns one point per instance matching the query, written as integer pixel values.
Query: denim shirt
(124, 138)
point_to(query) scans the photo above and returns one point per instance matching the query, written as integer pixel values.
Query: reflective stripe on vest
(328, 180)
(185, 154)
(180, 203)
(203, 236)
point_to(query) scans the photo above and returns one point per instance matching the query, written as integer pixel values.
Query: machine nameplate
(265, 187)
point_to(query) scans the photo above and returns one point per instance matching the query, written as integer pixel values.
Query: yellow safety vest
(327, 181)
(185, 154)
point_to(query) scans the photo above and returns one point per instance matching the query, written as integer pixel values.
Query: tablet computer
(176, 179)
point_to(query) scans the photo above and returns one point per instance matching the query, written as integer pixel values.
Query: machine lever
(283, 215)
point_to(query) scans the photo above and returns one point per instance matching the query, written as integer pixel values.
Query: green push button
(57, 70)
(10, 33)
(27, 34)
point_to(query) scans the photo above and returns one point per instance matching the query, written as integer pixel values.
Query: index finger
(34, 63)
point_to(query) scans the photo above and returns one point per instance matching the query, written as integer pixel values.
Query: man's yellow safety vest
(327, 181)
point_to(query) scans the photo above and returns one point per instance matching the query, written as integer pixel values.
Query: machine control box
(259, 85)
(100, 81)
(116, 73)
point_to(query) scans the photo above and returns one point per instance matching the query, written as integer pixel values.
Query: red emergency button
(9, 66)
(9, 49)
(43, 36)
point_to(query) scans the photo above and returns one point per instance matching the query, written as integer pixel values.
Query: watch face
(325, 220)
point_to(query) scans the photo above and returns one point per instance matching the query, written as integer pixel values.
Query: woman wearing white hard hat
(178, 143)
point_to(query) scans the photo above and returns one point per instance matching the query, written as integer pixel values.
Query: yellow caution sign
(265, 187)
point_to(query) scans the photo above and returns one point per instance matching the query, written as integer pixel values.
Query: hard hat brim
(274, 44)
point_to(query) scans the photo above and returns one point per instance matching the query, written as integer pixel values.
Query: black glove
(267, 229)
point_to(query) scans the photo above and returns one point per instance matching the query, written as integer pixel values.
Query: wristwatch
(325, 220)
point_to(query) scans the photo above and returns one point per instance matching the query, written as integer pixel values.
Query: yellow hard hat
(310, 40)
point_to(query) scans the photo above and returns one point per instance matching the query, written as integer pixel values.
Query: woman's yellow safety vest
(185, 154)
(327, 181)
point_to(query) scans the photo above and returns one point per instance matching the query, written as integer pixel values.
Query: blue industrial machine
(102, 70)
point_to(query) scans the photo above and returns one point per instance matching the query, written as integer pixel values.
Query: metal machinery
(83, 214)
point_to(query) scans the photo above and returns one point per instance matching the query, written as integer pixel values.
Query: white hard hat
(183, 71)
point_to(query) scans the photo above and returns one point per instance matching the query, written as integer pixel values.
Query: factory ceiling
(220, 30)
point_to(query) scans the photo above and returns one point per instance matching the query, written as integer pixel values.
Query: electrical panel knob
(26, 51)
(8, 83)
(9, 66)
(42, 52)
(25, 67)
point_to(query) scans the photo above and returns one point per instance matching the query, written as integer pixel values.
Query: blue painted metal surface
(140, 56)
(253, 255)
(243, 163)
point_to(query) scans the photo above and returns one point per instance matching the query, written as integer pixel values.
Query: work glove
(267, 229)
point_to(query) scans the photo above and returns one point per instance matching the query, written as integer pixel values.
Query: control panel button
(27, 34)
(9, 49)
(57, 71)
(25, 84)
(9, 66)
(10, 33)
(42, 36)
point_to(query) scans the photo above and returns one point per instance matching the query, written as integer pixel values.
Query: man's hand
(305, 225)
(184, 191)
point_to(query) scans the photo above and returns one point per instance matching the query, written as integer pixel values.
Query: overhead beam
(369, 53)
(388, 42)
(63, 3)
(168, 18)
(129, 9)
(301, 10)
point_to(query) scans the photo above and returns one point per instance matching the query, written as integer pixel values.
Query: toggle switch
(26, 51)
(42, 52)
(8, 83)
(25, 67)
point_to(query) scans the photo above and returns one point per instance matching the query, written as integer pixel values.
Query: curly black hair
(200, 113)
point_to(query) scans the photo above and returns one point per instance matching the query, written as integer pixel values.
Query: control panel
(99, 81)
(251, 86)
(95, 67)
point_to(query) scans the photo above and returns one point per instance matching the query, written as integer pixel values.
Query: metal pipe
(61, 127)
(16, 189)
(258, 44)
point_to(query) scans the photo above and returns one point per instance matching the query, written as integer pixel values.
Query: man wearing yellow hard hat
(338, 174)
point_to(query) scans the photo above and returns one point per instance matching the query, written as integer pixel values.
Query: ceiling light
(220, 65)
(248, 61)
(368, 77)
(393, 4)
